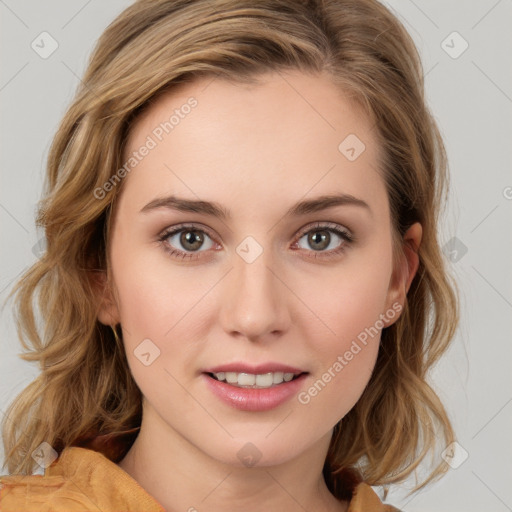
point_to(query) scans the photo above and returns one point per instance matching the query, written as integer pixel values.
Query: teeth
(246, 379)
(231, 377)
(264, 380)
(278, 377)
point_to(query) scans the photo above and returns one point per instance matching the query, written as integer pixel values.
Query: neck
(182, 477)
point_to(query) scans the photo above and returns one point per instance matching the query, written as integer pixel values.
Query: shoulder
(365, 499)
(80, 480)
(31, 492)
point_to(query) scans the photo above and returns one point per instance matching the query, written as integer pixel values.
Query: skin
(256, 150)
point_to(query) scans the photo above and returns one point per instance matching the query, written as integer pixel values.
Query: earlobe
(406, 269)
(108, 313)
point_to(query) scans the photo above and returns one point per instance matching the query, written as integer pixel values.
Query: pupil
(323, 239)
(191, 238)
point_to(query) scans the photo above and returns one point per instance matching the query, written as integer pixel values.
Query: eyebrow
(216, 210)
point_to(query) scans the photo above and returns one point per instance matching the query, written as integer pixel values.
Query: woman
(243, 289)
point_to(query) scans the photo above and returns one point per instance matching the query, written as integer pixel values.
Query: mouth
(254, 387)
(255, 380)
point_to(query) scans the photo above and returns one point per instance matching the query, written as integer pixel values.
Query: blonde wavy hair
(85, 386)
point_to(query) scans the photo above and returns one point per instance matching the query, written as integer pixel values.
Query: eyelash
(345, 235)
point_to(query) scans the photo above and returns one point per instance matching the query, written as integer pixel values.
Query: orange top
(81, 480)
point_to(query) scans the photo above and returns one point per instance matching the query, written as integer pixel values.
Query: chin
(258, 451)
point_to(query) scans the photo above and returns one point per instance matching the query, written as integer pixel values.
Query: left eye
(321, 239)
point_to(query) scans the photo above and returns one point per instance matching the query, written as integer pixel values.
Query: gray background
(471, 97)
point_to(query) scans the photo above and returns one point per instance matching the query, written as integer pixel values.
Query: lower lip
(251, 399)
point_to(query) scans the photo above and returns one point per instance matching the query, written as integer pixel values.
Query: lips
(254, 387)
(255, 369)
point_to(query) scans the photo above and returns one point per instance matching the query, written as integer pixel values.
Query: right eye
(185, 242)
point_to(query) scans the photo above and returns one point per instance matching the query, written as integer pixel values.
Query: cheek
(351, 298)
(153, 294)
(162, 302)
(345, 332)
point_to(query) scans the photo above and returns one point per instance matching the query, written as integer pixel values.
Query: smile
(254, 381)
(255, 392)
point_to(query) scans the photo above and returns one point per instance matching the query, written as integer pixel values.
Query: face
(228, 266)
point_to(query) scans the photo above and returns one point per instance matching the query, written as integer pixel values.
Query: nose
(254, 303)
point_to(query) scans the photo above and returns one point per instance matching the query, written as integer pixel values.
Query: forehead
(287, 134)
(300, 103)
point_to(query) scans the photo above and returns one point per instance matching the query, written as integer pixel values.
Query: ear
(404, 270)
(108, 312)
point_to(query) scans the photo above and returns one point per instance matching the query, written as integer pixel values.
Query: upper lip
(255, 369)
